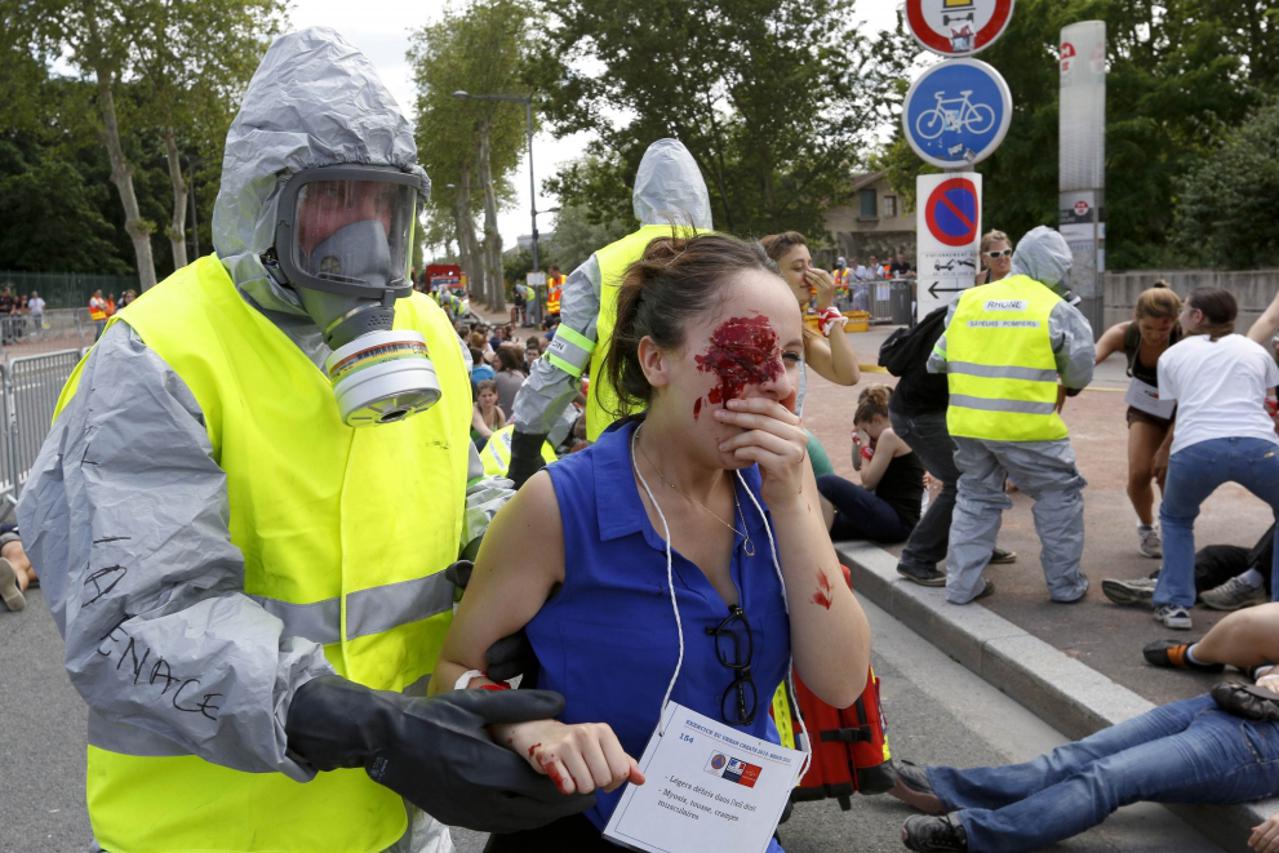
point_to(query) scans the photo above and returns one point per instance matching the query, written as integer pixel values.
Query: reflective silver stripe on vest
(372, 611)
(129, 740)
(369, 611)
(999, 371)
(1024, 407)
(319, 622)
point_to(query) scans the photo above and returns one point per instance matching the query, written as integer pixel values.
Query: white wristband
(465, 679)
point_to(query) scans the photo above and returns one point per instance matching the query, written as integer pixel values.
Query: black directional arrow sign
(933, 289)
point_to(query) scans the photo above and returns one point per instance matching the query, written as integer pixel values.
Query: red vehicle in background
(446, 275)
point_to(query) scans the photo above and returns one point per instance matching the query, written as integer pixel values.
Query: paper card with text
(708, 787)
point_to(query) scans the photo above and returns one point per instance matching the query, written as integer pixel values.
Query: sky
(381, 29)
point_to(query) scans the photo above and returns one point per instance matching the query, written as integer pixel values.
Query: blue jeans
(1185, 752)
(1194, 473)
(860, 513)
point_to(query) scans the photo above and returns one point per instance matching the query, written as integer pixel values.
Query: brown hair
(677, 279)
(485, 385)
(777, 245)
(1157, 303)
(509, 357)
(1219, 309)
(872, 401)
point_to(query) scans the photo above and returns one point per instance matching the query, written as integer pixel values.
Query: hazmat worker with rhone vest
(248, 499)
(669, 196)
(1007, 348)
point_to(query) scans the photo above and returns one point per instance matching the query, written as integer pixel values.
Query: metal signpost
(1081, 162)
(948, 236)
(956, 114)
(957, 27)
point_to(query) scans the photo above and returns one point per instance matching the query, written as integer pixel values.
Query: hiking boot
(1129, 592)
(923, 577)
(1171, 653)
(999, 557)
(934, 834)
(1234, 594)
(1174, 617)
(10, 592)
(1242, 700)
(1148, 541)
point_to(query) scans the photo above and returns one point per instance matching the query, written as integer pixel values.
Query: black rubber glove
(526, 457)
(433, 752)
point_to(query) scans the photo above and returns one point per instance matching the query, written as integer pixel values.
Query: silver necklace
(747, 546)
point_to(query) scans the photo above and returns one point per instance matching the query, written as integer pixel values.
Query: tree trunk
(177, 230)
(492, 237)
(472, 260)
(122, 176)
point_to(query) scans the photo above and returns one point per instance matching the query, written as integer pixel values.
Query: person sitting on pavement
(1227, 577)
(17, 575)
(706, 348)
(488, 417)
(1217, 748)
(1221, 433)
(885, 507)
(1143, 339)
(1247, 639)
(1005, 347)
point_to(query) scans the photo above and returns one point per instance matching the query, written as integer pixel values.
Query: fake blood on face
(743, 351)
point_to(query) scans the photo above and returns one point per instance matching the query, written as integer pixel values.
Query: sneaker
(1173, 616)
(1234, 594)
(1171, 653)
(923, 577)
(10, 592)
(913, 788)
(988, 589)
(999, 557)
(934, 834)
(1148, 542)
(1129, 592)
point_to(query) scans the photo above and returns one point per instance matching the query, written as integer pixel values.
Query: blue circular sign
(957, 113)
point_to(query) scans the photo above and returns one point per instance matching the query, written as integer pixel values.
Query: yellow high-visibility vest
(496, 455)
(614, 260)
(345, 533)
(1000, 365)
(554, 290)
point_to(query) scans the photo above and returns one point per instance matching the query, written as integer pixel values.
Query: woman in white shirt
(1222, 432)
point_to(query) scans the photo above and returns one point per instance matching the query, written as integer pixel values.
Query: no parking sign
(948, 234)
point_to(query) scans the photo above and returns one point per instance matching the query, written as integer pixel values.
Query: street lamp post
(528, 118)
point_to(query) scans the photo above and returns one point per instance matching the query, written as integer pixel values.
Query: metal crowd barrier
(886, 300)
(31, 386)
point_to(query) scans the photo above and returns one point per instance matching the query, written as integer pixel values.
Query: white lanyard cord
(802, 742)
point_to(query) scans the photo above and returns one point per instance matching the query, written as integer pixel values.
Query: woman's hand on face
(578, 758)
(773, 438)
(822, 284)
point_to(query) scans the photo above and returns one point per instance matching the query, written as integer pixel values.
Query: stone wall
(1254, 289)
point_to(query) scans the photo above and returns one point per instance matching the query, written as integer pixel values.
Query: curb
(1076, 701)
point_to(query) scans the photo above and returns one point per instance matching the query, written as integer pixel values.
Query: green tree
(471, 147)
(776, 99)
(578, 234)
(1225, 215)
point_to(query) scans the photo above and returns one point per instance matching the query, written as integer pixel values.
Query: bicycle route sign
(957, 27)
(957, 113)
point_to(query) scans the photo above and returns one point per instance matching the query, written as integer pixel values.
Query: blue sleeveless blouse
(607, 638)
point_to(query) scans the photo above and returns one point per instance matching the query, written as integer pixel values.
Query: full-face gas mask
(343, 236)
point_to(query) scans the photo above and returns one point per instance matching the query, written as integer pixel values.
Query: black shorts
(1135, 414)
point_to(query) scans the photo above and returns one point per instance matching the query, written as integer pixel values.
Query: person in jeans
(885, 507)
(1221, 433)
(917, 412)
(1215, 748)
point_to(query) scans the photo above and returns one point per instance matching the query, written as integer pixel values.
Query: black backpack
(909, 348)
(905, 354)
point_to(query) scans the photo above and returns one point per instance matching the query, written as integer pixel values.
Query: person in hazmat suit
(669, 195)
(1006, 347)
(245, 507)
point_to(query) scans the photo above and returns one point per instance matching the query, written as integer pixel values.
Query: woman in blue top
(675, 511)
